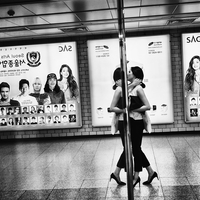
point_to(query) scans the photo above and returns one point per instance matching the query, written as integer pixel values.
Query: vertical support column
(123, 64)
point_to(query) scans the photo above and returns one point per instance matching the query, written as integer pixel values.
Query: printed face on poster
(39, 87)
(191, 76)
(152, 54)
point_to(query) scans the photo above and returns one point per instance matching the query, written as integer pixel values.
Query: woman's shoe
(155, 175)
(138, 181)
(115, 178)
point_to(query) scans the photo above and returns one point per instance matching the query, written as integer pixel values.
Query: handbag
(147, 122)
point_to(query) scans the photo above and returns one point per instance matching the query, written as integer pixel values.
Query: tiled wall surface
(87, 129)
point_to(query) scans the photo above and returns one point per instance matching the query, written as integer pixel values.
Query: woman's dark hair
(189, 78)
(116, 76)
(138, 73)
(73, 87)
(56, 88)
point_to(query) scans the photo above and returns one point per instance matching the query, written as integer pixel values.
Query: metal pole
(123, 63)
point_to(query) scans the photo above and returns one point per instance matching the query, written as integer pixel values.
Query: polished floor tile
(80, 168)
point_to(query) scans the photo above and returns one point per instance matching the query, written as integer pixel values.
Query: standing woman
(116, 106)
(137, 127)
(53, 90)
(68, 84)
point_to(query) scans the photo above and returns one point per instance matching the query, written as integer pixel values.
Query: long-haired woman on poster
(192, 78)
(68, 84)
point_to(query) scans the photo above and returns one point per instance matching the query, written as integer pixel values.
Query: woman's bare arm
(116, 97)
(142, 96)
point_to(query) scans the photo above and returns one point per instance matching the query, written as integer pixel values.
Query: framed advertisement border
(191, 69)
(28, 62)
(151, 51)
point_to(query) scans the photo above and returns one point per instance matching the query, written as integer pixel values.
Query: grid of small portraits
(194, 107)
(38, 115)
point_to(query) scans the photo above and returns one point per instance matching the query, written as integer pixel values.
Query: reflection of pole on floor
(123, 63)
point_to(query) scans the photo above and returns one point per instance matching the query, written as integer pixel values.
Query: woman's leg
(150, 171)
(121, 162)
(151, 175)
(140, 159)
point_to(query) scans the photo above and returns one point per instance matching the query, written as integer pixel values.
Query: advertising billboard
(39, 87)
(152, 54)
(191, 76)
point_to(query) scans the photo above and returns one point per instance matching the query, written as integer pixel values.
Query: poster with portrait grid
(33, 63)
(191, 76)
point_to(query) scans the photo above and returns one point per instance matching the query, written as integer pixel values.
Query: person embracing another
(118, 109)
(137, 127)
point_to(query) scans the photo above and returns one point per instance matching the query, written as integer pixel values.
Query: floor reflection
(80, 168)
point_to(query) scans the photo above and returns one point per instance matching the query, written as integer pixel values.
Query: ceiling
(25, 19)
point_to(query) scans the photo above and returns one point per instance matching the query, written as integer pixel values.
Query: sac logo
(64, 48)
(193, 39)
(33, 58)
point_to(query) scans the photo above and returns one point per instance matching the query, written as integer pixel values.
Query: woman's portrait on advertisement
(192, 78)
(56, 119)
(68, 83)
(53, 90)
(33, 109)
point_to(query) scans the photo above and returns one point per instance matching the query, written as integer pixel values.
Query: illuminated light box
(191, 76)
(39, 101)
(152, 54)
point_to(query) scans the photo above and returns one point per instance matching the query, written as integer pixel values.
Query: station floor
(80, 168)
